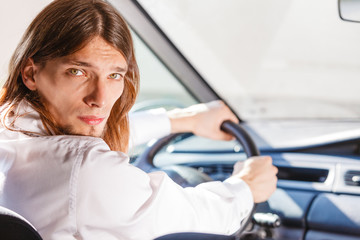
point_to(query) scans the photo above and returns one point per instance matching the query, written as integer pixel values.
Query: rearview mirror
(349, 10)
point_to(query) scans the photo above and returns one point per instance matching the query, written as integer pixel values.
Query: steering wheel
(187, 176)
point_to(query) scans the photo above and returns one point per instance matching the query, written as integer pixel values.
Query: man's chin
(90, 132)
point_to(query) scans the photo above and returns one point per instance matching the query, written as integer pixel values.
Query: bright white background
(15, 16)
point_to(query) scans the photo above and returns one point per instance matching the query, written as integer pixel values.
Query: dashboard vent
(302, 174)
(352, 178)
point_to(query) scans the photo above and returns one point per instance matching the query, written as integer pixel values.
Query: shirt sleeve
(116, 200)
(148, 125)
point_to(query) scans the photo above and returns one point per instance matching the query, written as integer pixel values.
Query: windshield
(278, 59)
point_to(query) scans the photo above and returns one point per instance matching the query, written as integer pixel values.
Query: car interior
(318, 190)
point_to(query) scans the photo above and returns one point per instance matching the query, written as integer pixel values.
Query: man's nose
(97, 94)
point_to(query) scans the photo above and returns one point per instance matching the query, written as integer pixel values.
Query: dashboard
(318, 192)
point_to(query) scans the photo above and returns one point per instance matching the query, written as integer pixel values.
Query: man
(65, 131)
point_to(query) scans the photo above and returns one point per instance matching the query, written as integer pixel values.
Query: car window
(158, 86)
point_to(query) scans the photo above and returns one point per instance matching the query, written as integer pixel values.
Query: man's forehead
(96, 51)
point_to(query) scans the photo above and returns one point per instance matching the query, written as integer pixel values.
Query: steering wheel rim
(146, 160)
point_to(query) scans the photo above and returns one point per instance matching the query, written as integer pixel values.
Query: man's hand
(203, 120)
(260, 176)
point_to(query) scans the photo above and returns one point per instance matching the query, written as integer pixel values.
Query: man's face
(80, 90)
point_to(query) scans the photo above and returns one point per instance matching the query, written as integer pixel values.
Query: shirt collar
(27, 120)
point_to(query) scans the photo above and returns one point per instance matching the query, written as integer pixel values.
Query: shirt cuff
(147, 125)
(243, 193)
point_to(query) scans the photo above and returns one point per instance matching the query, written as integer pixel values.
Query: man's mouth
(91, 120)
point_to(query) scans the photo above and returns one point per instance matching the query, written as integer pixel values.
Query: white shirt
(73, 187)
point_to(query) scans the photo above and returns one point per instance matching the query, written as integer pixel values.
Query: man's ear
(27, 74)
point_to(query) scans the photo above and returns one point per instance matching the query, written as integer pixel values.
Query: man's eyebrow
(86, 64)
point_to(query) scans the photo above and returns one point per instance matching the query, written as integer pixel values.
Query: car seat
(15, 227)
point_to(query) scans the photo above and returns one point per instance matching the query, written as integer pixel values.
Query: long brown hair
(62, 28)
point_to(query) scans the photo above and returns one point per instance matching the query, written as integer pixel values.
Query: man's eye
(115, 76)
(76, 72)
